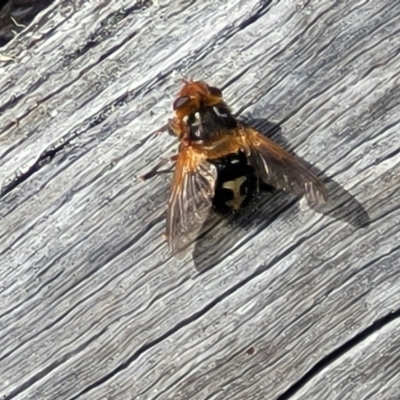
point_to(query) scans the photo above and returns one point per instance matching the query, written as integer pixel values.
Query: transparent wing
(281, 170)
(190, 202)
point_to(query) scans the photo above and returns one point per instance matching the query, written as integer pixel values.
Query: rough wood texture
(369, 372)
(289, 302)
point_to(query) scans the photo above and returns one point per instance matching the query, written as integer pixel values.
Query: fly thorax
(207, 122)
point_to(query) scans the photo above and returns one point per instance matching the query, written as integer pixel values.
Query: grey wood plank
(92, 304)
(289, 329)
(371, 371)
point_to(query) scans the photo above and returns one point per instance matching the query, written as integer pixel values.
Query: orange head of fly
(193, 96)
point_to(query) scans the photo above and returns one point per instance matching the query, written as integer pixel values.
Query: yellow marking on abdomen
(235, 186)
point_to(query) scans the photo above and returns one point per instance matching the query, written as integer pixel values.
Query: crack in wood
(15, 15)
(337, 353)
(195, 316)
(42, 373)
(45, 158)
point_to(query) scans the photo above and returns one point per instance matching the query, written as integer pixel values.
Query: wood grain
(369, 371)
(92, 305)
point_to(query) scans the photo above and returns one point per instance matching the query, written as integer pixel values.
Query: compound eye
(215, 91)
(180, 101)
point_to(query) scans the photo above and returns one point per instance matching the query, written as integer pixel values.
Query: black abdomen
(237, 183)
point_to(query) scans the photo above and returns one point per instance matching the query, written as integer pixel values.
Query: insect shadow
(221, 236)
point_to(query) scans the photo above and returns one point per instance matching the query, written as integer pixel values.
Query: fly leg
(156, 169)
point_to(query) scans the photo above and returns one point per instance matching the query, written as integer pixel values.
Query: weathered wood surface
(290, 302)
(370, 371)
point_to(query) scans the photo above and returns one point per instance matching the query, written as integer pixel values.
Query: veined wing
(282, 170)
(190, 201)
